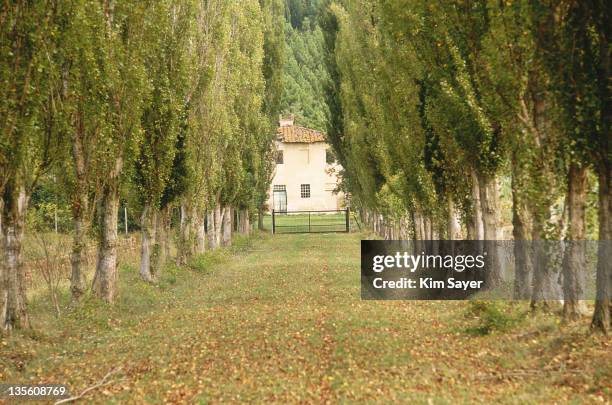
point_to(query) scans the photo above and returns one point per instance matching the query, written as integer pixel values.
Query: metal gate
(321, 221)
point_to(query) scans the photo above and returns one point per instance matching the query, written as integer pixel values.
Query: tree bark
(183, 238)
(13, 303)
(260, 219)
(574, 261)
(218, 224)
(161, 247)
(475, 227)
(490, 225)
(244, 226)
(106, 276)
(187, 238)
(80, 203)
(404, 234)
(419, 231)
(521, 233)
(200, 232)
(545, 276)
(212, 232)
(78, 281)
(601, 316)
(148, 226)
(454, 227)
(227, 226)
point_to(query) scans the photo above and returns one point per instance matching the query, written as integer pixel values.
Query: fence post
(348, 221)
(309, 228)
(125, 220)
(273, 224)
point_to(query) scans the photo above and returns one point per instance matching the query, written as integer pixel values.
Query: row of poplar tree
(433, 103)
(172, 103)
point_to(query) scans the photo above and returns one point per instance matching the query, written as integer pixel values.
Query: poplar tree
(574, 42)
(32, 131)
(83, 74)
(167, 62)
(125, 88)
(274, 58)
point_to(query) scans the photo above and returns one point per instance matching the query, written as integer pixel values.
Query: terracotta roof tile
(295, 134)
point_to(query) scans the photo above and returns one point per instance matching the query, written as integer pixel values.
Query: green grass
(278, 319)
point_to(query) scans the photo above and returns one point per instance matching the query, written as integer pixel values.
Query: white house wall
(304, 163)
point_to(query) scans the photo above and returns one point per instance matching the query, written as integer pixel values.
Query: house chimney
(286, 121)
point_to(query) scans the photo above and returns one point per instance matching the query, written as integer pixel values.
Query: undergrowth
(491, 316)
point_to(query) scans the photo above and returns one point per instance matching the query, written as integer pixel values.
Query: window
(279, 157)
(330, 158)
(305, 190)
(279, 187)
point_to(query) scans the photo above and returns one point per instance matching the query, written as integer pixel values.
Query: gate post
(273, 224)
(348, 221)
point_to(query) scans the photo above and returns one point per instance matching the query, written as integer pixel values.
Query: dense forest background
(304, 72)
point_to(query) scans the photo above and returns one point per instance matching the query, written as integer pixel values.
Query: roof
(295, 134)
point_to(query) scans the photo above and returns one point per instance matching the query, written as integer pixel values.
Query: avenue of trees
(434, 103)
(431, 106)
(167, 106)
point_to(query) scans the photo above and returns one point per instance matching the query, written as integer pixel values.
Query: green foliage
(491, 317)
(304, 71)
(424, 94)
(31, 122)
(168, 64)
(204, 263)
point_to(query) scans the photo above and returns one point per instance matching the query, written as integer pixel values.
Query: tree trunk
(601, 316)
(454, 228)
(212, 232)
(80, 203)
(260, 219)
(186, 247)
(218, 224)
(475, 227)
(544, 274)
(244, 227)
(78, 281)
(148, 224)
(161, 246)
(227, 226)
(183, 236)
(490, 224)
(521, 232)
(106, 276)
(200, 232)
(419, 232)
(574, 261)
(404, 234)
(13, 302)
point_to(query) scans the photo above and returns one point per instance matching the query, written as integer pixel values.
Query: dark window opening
(305, 190)
(279, 157)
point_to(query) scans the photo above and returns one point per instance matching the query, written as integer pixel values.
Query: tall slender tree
(32, 132)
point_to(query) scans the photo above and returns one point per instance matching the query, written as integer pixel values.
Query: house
(306, 173)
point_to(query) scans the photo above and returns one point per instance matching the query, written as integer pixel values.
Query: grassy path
(279, 319)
